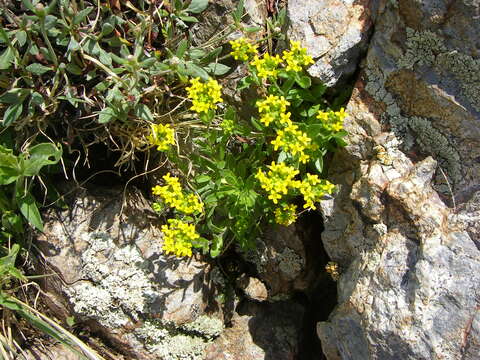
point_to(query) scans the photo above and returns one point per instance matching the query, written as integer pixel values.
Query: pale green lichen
(422, 49)
(205, 326)
(118, 288)
(290, 263)
(427, 48)
(186, 342)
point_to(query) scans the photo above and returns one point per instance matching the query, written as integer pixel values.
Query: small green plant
(248, 172)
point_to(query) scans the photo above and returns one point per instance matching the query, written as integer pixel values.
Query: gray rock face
(335, 32)
(114, 275)
(405, 222)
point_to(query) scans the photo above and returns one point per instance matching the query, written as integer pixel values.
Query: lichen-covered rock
(404, 226)
(287, 259)
(106, 249)
(335, 32)
(260, 331)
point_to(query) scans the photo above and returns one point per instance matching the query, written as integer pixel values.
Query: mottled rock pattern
(336, 33)
(406, 237)
(260, 331)
(286, 259)
(113, 275)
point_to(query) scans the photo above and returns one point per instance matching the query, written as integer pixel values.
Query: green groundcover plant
(240, 175)
(133, 77)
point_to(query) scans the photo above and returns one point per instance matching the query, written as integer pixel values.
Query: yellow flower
(272, 109)
(267, 66)
(161, 136)
(313, 190)
(178, 237)
(296, 58)
(332, 120)
(242, 49)
(173, 196)
(204, 96)
(277, 181)
(286, 214)
(292, 140)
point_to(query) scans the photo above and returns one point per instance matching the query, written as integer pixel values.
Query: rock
(404, 224)
(214, 21)
(253, 288)
(287, 259)
(113, 275)
(260, 331)
(335, 32)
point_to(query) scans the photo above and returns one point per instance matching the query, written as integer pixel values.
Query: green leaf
(186, 18)
(37, 69)
(319, 164)
(143, 112)
(106, 115)
(252, 29)
(82, 15)
(36, 99)
(182, 47)
(107, 29)
(196, 71)
(73, 69)
(28, 208)
(12, 113)
(21, 37)
(14, 96)
(303, 81)
(6, 59)
(217, 69)
(200, 179)
(39, 156)
(217, 245)
(318, 90)
(197, 6)
(238, 13)
(9, 167)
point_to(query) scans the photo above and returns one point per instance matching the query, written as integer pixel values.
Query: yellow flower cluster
(273, 109)
(332, 120)
(278, 180)
(333, 269)
(292, 140)
(242, 49)
(286, 214)
(313, 189)
(228, 126)
(204, 95)
(173, 196)
(178, 237)
(296, 58)
(161, 136)
(267, 66)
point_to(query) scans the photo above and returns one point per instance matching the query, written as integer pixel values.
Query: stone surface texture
(336, 33)
(260, 331)
(404, 225)
(287, 259)
(113, 275)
